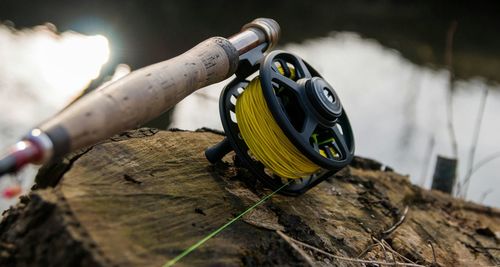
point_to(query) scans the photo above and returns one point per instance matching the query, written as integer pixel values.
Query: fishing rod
(283, 120)
(139, 97)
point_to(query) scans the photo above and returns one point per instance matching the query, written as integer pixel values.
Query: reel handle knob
(215, 153)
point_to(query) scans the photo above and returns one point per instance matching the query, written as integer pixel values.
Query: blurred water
(40, 73)
(396, 109)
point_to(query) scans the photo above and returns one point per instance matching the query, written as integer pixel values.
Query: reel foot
(215, 153)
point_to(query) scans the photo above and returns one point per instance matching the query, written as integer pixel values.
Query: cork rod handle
(146, 93)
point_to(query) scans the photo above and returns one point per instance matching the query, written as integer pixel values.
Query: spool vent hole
(233, 116)
(233, 100)
(340, 128)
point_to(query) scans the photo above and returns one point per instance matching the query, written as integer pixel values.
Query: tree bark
(144, 196)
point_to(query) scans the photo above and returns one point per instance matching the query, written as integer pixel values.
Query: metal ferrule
(43, 142)
(255, 33)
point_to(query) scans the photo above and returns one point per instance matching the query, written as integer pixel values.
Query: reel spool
(307, 116)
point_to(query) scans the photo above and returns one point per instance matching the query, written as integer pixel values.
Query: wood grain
(142, 197)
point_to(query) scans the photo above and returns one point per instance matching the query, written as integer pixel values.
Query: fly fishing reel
(287, 124)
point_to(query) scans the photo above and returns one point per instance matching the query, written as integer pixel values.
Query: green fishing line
(214, 233)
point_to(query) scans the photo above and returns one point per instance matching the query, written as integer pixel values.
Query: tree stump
(144, 196)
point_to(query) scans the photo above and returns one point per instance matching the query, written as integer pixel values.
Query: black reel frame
(312, 108)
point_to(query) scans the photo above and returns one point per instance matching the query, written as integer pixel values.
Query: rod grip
(140, 96)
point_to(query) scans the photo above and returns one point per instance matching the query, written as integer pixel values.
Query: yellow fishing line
(265, 139)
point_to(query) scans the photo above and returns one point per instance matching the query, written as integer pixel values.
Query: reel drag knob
(304, 107)
(324, 99)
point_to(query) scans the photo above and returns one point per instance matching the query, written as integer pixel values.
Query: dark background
(144, 32)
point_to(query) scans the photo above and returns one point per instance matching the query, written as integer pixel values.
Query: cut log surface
(144, 196)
